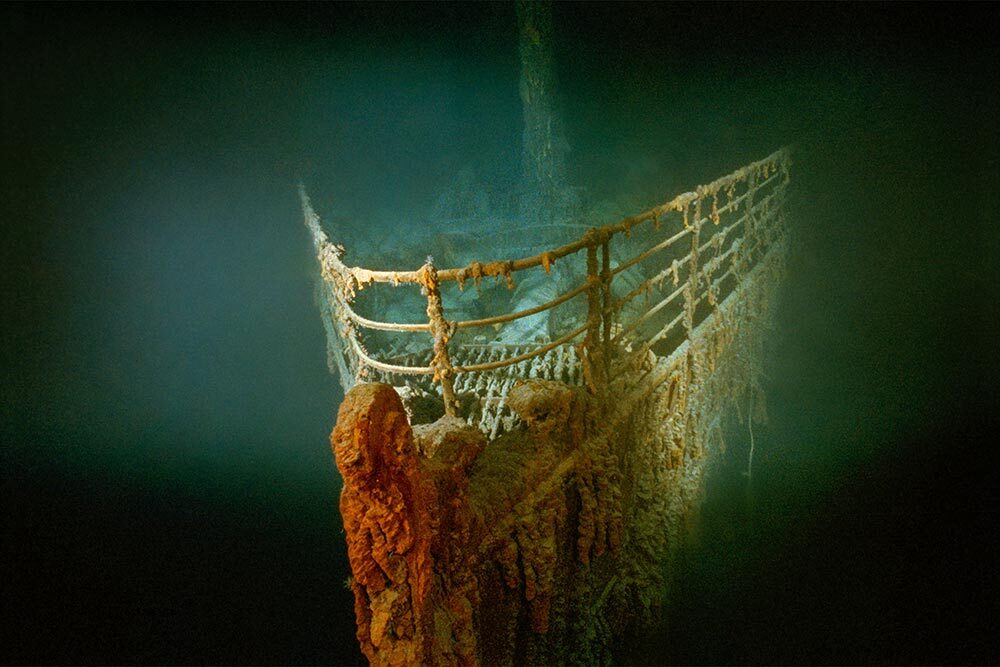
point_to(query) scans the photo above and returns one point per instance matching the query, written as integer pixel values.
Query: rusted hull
(545, 544)
(546, 540)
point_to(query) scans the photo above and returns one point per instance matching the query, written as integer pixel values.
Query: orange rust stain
(384, 508)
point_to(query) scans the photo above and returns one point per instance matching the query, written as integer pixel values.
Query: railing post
(606, 318)
(691, 293)
(595, 358)
(441, 331)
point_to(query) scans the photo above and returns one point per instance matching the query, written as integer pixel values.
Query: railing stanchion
(441, 331)
(594, 359)
(691, 293)
(606, 317)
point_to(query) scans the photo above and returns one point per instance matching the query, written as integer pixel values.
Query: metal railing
(701, 245)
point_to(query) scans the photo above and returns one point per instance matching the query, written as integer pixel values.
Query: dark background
(168, 491)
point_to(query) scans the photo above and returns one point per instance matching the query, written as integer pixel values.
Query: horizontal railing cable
(487, 369)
